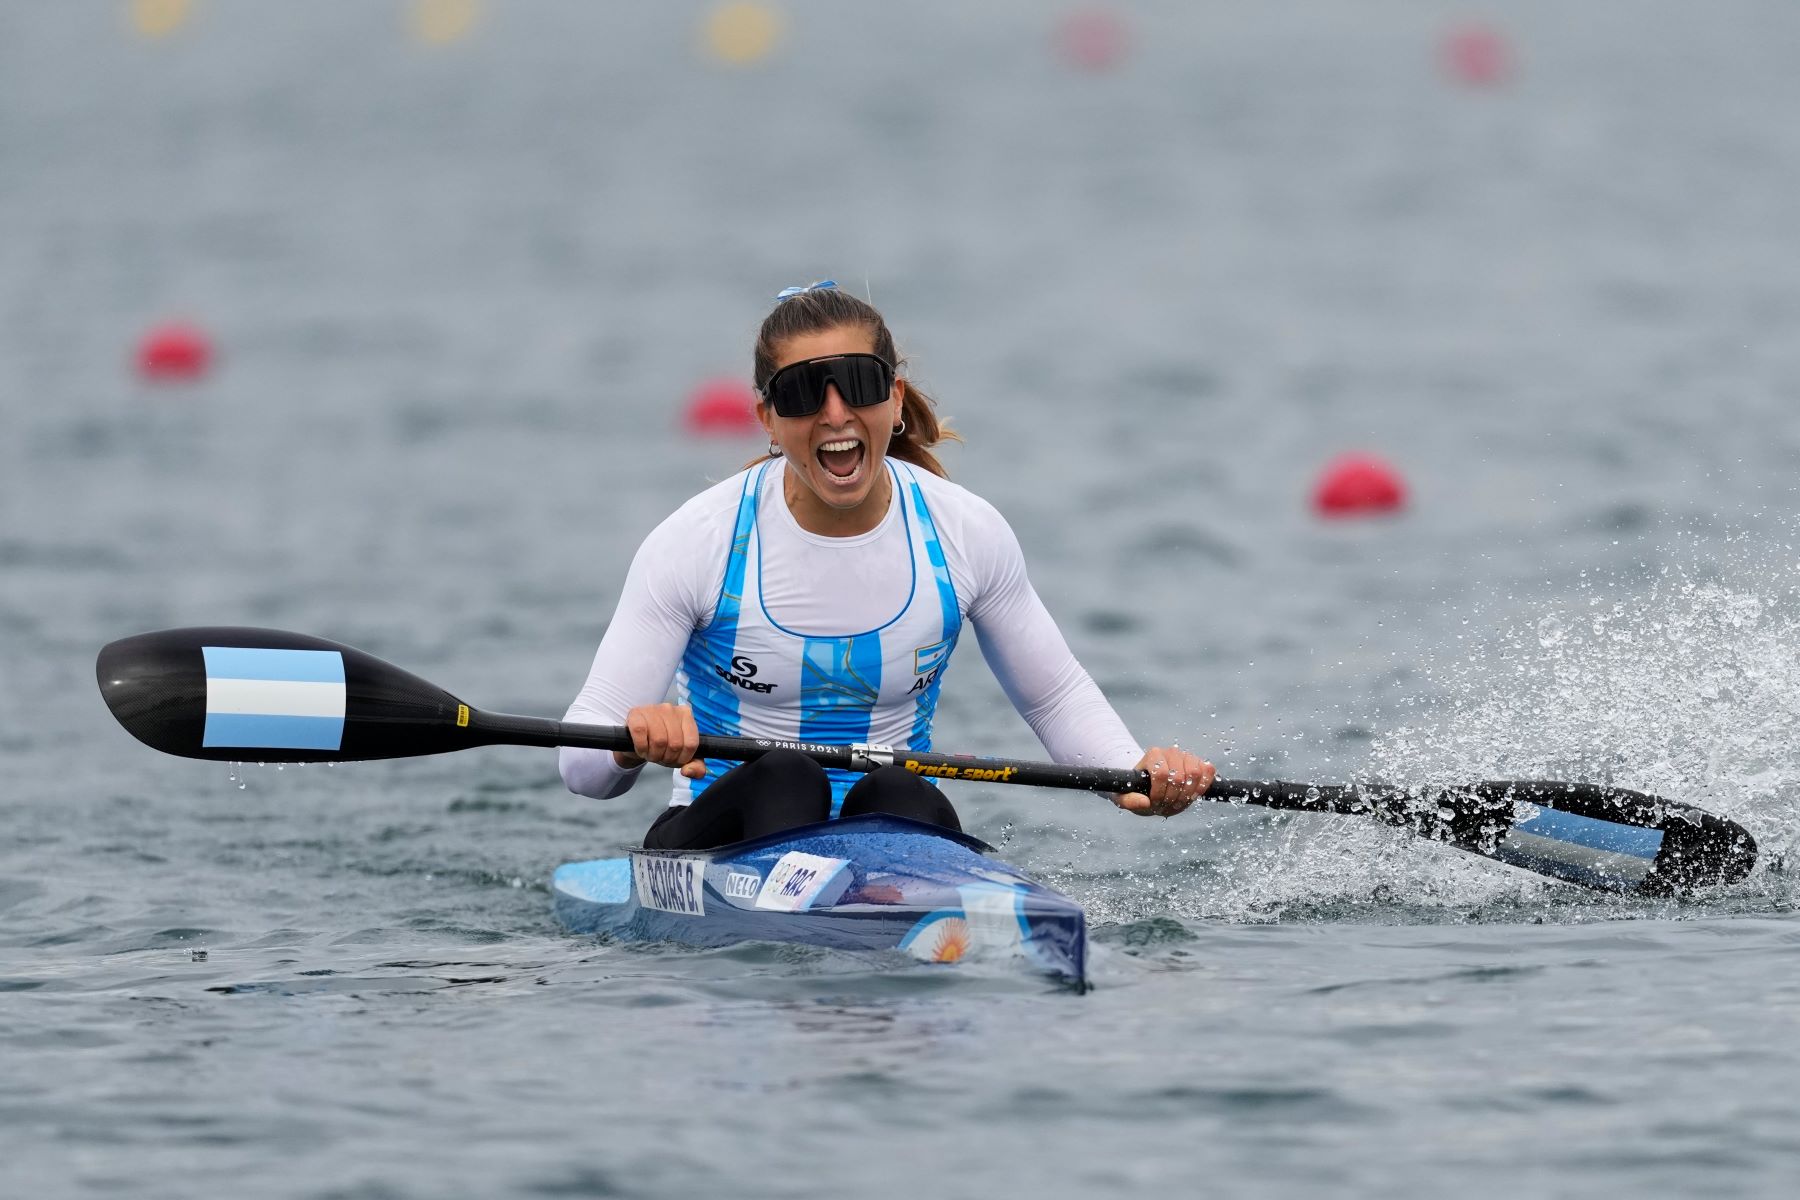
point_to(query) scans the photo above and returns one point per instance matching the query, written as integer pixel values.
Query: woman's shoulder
(682, 560)
(980, 545)
(952, 501)
(717, 505)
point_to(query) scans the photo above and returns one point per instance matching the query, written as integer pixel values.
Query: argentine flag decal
(1607, 836)
(274, 699)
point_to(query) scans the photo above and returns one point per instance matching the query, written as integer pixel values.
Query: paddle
(235, 694)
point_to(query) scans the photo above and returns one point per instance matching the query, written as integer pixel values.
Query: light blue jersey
(747, 675)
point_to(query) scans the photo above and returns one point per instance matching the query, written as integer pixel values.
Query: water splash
(1680, 682)
(1683, 685)
(1686, 690)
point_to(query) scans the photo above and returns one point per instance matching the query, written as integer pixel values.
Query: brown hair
(819, 309)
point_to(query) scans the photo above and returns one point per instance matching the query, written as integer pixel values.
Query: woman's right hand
(664, 734)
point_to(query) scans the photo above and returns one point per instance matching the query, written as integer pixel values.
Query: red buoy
(722, 406)
(1093, 39)
(1477, 56)
(1358, 485)
(174, 351)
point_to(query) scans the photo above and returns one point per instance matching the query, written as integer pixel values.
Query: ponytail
(923, 431)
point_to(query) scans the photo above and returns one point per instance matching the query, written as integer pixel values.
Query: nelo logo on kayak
(742, 674)
(989, 774)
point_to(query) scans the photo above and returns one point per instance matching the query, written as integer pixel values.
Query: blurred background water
(462, 265)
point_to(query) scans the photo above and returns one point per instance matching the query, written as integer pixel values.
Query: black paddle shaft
(178, 691)
(1698, 848)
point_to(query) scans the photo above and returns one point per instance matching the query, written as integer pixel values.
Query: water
(459, 295)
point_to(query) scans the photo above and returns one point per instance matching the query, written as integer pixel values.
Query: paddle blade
(1616, 839)
(262, 695)
(1608, 838)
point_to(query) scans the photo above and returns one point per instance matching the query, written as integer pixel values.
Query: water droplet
(1552, 631)
(1742, 611)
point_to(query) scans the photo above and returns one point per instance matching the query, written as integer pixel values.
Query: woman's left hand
(1177, 779)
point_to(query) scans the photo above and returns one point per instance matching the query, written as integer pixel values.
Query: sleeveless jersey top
(835, 687)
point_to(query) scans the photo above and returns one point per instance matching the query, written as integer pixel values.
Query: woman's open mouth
(843, 459)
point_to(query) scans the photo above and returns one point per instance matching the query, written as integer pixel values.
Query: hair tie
(823, 285)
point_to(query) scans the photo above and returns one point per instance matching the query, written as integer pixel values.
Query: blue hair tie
(823, 285)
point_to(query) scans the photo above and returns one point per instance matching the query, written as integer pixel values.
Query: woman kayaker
(817, 595)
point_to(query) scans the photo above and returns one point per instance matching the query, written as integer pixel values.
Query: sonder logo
(743, 674)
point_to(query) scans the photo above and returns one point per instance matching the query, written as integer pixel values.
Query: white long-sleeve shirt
(771, 631)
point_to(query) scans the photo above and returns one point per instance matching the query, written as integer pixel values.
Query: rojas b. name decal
(670, 884)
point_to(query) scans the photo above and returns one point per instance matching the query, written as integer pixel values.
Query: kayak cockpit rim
(906, 824)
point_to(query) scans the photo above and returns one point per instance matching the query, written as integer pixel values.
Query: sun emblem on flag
(941, 938)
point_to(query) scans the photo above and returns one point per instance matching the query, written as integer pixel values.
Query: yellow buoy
(159, 18)
(439, 22)
(742, 32)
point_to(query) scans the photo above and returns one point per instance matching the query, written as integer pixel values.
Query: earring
(900, 428)
(774, 449)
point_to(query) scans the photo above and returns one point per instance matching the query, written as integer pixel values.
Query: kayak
(871, 882)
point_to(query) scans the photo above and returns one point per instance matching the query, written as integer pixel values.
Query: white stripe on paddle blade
(275, 698)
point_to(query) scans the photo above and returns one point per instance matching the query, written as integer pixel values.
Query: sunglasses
(798, 389)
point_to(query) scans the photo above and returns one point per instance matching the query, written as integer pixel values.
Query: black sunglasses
(798, 389)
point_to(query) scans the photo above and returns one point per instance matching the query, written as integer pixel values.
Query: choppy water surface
(459, 295)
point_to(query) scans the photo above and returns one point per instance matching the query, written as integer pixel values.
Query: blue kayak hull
(860, 883)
